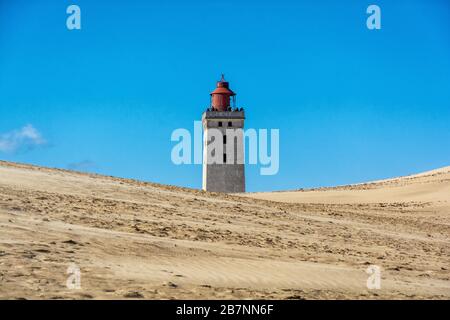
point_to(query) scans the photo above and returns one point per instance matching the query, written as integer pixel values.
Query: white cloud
(25, 138)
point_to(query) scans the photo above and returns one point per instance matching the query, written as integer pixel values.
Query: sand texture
(136, 240)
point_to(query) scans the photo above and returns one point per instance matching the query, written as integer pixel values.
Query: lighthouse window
(230, 124)
(224, 139)
(220, 123)
(224, 158)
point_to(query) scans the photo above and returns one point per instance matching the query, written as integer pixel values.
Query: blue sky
(351, 104)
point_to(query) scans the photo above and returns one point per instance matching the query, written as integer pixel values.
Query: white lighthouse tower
(223, 149)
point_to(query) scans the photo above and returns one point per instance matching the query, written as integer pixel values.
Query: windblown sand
(140, 240)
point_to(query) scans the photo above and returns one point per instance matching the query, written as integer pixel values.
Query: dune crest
(431, 187)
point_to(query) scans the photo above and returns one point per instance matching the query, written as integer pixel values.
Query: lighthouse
(223, 144)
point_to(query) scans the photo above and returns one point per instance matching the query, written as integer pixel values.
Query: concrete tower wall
(226, 177)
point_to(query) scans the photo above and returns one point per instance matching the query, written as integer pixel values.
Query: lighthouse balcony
(235, 114)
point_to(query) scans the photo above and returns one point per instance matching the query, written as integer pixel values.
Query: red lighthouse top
(220, 97)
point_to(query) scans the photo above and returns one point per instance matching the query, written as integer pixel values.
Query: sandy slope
(428, 187)
(140, 240)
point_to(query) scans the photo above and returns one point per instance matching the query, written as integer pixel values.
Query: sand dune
(140, 240)
(428, 187)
